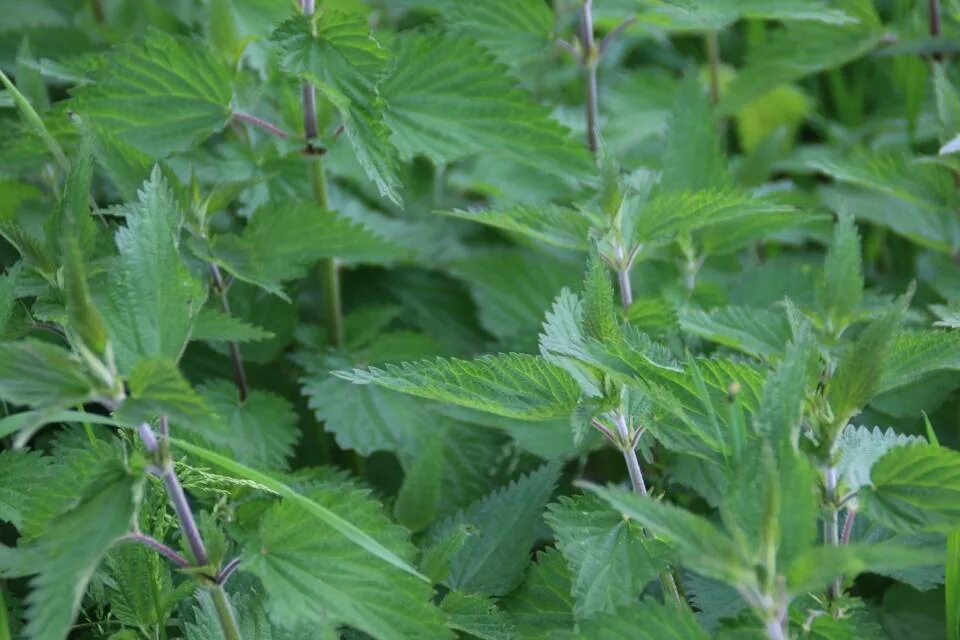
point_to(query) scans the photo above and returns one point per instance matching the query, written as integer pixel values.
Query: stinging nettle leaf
(448, 99)
(161, 96)
(513, 385)
(914, 488)
(42, 375)
(312, 575)
(151, 298)
(859, 448)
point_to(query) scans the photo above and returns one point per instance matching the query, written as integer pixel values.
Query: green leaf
(609, 557)
(912, 198)
(161, 96)
(554, 225)
(476, 615)
(542, 605)
(649, 620)
(319, 512)
(493, 560)
(515, 31)
(817, 567)
(158, 389)
(692, 157)
(448, 99)
(283, 239)
(75, 232)
(313, 575)
(341, 58)
(915, 488)
(669, 214)
(151, 298)
(512, 385)
(17, 468)
(801, 49)
(860, 368)
(782, 406)
(216, 326)
(418, 500)
(698, 544)
(42, 375)
(259, 431)
(915, 354)
(512, 288)
(858, 448)
(716, 15)
(757, 332)
(66, 555)
(253, 620)
(842, 288)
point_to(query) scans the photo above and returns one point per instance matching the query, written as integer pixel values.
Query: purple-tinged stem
(228, 571)
(590, 55)
(236, 360)
(187, 522)
(848, 526)
(260, 123)
(159, 547)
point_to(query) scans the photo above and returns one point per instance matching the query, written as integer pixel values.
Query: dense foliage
(483, 319)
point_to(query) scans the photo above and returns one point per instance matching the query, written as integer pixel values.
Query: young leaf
(610, 558)
(698, 544)
(313, 575)
(493, 560)
(163, 95)
(784, 395)
(151, 298)
(915, 488)
(448, 99)
(512, 385)
(843, 276)
(158, 389)
(649, 620)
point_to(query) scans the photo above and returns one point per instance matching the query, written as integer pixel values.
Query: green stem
(589, 61)
(329, 268)
(228, 622)
(713, 61)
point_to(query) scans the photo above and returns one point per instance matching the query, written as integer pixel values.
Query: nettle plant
(495, 319)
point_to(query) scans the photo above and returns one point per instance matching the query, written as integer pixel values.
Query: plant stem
(713, 62)
(589, 62)
(775, 629)
(848, 526)
(623, 278)
(159, 547)
(933, 7)
(188, 525)
(260, 123)
(630, 456)
(830, 524)
(236, 360)
(330, 268)
(228, 621)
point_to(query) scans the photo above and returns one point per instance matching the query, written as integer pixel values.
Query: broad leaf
(818, 566)
(914, 354)
(215, 326)
(542, 605)
(448, 99)
(558, 226)
(843, 276)
(158, 389)
(494, 559)
(160, 96)
(915, 488)
(476, 615)
(757, 332)
(610, 558)
(698, 544)
(859, 448)
(649, 620)
(312, 575)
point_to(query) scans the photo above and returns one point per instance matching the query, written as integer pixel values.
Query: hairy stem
(260, 123)
(159, 547)
(589, 61)
(713, 62)
(831, 522)
(330, 268)
(236, 361)
(630, 456)
(188, 524)
(228, 621)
